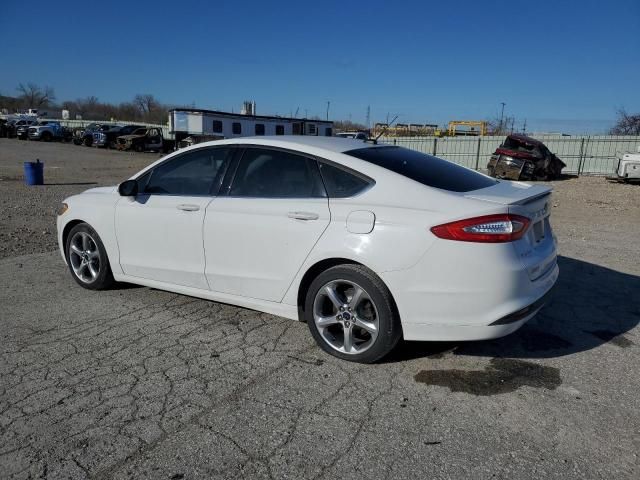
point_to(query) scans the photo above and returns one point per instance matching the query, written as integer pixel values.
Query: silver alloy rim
(84, 257)
(346, 317)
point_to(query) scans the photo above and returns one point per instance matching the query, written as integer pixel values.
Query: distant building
(202, 125)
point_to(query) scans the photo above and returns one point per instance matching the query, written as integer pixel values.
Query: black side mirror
(128, 188)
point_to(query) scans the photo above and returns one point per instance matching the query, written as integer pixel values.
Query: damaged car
(524, 158)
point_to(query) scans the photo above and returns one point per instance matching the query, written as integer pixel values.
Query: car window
(426, 169)
(194, 173)
(342, 184)
(276, 174)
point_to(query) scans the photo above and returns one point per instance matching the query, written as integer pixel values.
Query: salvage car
(20, 129)
(47, 130)
(524, 158)
(107, 136)
(84, 135)
(312, 228)
(141, 140)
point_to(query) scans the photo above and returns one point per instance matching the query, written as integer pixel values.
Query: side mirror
(128, 188)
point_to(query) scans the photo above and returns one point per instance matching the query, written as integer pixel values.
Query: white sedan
(366, 243)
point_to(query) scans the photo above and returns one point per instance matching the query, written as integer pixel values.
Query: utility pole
(368, 117)
(524, 127)
(328, 103)
(501, 115)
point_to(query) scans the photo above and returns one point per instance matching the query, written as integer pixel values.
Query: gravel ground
(140, 383)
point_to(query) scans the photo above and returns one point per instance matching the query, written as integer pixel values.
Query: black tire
(138, 147)
(104, 278)
(77, 141)
(88, 141)
(389, 327)
(46, 136)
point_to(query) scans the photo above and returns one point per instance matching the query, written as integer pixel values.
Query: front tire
(87, 258)
(351, 314)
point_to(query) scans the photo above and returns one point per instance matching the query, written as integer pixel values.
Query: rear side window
(426, 169)
(265, 173)
(341, 184)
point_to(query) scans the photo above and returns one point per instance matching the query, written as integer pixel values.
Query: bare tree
(146, 103)
(496, 127)
(34, 96)
(626, 124)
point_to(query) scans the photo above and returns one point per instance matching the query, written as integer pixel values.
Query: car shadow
(591, 306)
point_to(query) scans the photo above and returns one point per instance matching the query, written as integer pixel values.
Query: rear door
(257, 237)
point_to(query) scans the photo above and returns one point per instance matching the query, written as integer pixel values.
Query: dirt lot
(139, 383)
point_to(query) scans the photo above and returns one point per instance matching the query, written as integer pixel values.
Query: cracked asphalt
(140, 383)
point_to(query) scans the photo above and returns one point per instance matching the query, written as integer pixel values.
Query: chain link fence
(584, 155)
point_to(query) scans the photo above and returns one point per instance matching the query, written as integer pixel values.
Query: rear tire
(46, 136)
(87, 258)
(88, 141)
(351, 314)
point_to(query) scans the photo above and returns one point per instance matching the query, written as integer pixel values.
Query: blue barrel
(34, 173)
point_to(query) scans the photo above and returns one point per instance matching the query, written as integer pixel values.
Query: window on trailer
(328, 132)
(279, 129)
(217, 126)
(236, 128)
(259, 128)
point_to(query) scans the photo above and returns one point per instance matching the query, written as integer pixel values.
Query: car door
(159, 232)
(154, 140)
(257, 236)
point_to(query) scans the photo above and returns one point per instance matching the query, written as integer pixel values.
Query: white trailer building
(203, 125)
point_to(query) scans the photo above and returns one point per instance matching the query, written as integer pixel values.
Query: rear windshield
(431, 171)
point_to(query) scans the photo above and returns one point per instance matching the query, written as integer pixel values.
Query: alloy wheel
(84, 257)
(346, 317)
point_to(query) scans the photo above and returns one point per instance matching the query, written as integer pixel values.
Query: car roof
(332, 144)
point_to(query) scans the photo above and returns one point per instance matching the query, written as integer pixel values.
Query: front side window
(259, 128)
(195, 173)
(340, 183)
(276, 174)
(216, 126)
(236, 128)
(426, 169)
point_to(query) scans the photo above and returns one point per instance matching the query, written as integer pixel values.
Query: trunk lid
(537, 248)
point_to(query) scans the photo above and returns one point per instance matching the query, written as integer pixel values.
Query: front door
(257, 237)
(159, 232)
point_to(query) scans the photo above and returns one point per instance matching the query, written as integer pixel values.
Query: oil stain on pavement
(502, 375)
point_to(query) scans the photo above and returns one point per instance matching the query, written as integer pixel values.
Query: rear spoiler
(510, 193)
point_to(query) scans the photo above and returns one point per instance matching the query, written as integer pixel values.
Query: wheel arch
(316, 269)
(67, 228)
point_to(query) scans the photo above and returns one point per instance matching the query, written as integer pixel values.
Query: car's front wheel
(351, 314)
(87, 258)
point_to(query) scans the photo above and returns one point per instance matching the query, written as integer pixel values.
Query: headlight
(63, 208)
(515, 162)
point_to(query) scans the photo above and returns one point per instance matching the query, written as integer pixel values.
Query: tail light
(486, 229)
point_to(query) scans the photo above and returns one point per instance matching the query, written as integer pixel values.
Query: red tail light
(487, 229)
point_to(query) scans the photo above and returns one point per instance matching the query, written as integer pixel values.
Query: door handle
(303, 215)
(188, 207)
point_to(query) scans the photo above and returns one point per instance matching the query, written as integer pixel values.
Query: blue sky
(562, 65)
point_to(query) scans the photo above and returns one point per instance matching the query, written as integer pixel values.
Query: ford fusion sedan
(366, 243)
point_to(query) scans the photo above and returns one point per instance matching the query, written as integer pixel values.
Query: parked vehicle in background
(107, 136)
(355, 135)
(313, 228)
(142, 140)
(628, 168)
(23, 125)
(84, 135)
(524, 158)
(48, 130)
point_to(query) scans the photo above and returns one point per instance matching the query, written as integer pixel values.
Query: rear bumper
(478, 293)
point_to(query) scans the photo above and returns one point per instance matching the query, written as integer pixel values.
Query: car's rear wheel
(46, 136)
(351, 314)
(87, 258)
(88, 141)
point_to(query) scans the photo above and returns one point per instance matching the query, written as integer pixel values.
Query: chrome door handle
(303, 215)
(187, 207)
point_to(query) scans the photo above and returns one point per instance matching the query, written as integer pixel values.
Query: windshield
(426, 169)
